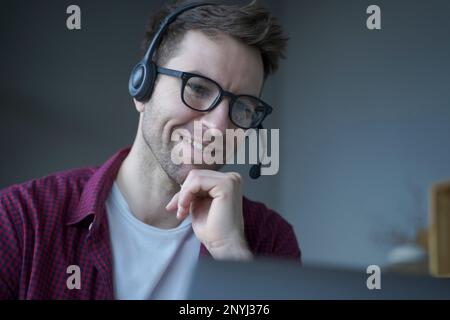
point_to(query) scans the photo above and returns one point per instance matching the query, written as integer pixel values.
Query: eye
(243, 107)
(198, 89)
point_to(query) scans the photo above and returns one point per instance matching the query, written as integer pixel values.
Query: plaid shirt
(49, 224)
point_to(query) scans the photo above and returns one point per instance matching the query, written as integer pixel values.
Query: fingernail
(180, 212)
(170, 204)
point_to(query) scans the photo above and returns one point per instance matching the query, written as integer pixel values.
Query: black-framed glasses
(203, 94)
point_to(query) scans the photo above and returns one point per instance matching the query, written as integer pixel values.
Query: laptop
(267, 279)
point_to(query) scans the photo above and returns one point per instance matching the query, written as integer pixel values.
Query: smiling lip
(199, 146)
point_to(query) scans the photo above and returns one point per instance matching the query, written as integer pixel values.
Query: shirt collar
(97, 188)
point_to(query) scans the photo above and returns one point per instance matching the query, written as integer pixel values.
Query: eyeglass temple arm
(170, 72)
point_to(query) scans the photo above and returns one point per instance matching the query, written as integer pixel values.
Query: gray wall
(363, 115)
(365, 123)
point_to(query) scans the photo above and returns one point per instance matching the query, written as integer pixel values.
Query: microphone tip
(255, 171)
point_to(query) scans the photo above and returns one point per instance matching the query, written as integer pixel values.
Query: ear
(140, 106)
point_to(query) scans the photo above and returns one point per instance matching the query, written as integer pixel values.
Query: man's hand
(215, 201)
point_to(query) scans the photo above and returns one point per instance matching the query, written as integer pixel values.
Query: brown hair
(252, 24)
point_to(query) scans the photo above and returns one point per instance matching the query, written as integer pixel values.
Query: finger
(198, 184)
(173, 203)
(187, 194)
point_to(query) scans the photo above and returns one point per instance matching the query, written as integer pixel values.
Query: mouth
(197, 145)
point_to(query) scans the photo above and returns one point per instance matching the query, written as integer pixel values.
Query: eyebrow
(198, 72)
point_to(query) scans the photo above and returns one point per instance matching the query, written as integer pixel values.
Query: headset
(143, 76)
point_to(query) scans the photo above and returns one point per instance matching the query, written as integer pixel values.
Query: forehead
(236, 66)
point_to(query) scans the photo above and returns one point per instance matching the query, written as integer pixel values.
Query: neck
(146, 187)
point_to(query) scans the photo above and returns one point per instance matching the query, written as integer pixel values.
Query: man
(134, 227)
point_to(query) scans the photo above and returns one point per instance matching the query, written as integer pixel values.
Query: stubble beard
(162, 154)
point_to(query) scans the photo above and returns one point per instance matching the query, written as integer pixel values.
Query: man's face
(236, 67)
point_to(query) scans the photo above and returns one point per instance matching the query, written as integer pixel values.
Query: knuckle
(192, 177)
(235, 177)
(193, 173)
(196, 180)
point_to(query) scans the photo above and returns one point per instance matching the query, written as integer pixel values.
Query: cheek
(164, 99)
(168, 112)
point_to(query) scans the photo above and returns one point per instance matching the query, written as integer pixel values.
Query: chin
(179, 173)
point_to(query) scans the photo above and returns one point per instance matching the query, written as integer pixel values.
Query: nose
(218, 117)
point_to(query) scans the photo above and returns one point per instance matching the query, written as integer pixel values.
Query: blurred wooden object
(439, 232)
(419, 268)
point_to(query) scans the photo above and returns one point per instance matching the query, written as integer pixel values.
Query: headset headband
(166, 23)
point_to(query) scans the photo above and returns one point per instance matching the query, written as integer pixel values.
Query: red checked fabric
(51, 223)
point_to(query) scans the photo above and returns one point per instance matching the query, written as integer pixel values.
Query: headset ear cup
(136, 79)
(142, 80)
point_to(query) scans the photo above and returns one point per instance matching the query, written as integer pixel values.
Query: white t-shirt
(149, 263)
